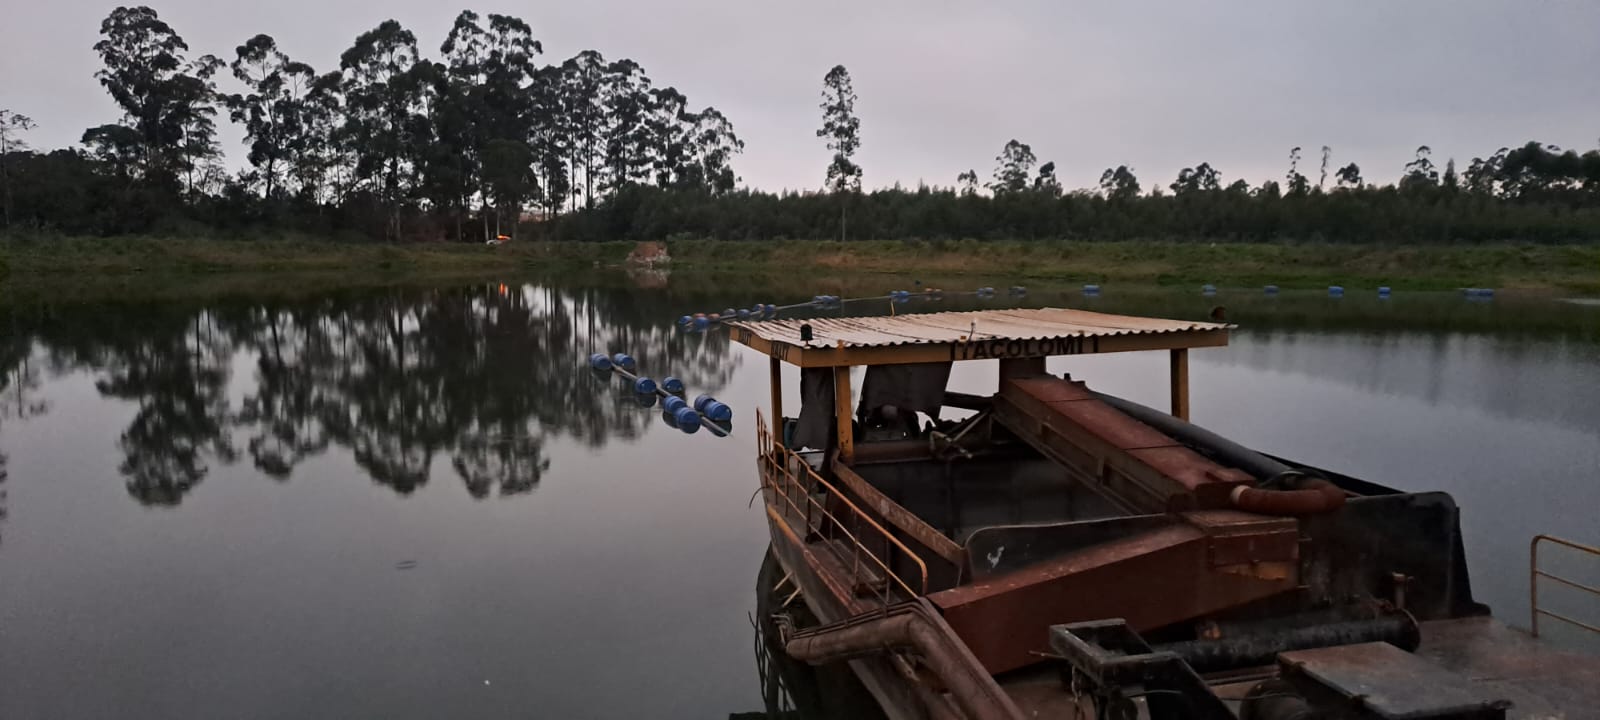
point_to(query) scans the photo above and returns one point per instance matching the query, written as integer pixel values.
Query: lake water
(416, 502)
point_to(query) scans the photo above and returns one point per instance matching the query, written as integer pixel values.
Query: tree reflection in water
(484, 376)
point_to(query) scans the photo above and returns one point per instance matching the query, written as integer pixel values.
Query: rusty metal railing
(795, 485)
(1534, 573)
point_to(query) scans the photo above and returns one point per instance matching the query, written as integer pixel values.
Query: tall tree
(842, 129)
(1298, 184)
(1012, 167)
(12, 125)
(714, 146)
(168, 101)
(1419, 173)
(626, 93)
(1047, 183)
(968, 182)
(1349, 176)
(384, 84)
(274, 111)
(1199, 178)
(1119, 184)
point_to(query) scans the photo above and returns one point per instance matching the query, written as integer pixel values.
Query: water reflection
(482, 375)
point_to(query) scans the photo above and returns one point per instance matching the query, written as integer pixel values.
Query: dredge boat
(1063, 553)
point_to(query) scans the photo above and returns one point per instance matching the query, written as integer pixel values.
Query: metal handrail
(776, 476)
(1534, 573)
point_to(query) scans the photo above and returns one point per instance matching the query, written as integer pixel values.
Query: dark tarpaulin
(917, 387)
(814, 429)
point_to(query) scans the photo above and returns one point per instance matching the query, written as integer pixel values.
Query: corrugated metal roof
(952, 327)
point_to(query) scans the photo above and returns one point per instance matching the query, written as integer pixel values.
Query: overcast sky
(943, 85)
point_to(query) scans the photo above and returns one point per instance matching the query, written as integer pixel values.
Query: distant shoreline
(1573, 268)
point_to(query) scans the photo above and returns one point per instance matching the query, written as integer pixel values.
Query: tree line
(390, 141)
(486, 141)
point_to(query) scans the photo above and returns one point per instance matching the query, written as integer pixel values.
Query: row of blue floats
(677, 412)
(1333, 291)
(768, 311)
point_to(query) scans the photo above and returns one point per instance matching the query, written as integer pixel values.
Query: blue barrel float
(1335, 291)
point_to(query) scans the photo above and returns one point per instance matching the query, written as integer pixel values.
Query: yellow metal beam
(843, 412)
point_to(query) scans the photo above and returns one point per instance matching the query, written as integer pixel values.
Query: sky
(942, 86)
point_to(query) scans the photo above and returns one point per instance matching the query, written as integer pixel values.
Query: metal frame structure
(1534, 573)
(1056, 332)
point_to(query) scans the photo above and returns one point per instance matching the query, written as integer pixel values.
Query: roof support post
(775, 367)
(1180, 383)
(844, 411)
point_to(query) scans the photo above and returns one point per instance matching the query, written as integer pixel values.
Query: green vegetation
(1566, 267)
(485, 141)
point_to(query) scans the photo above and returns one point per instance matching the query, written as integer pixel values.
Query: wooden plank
(1180, 384)
(844, 411)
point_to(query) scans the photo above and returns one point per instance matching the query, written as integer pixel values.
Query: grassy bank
(1561, 267)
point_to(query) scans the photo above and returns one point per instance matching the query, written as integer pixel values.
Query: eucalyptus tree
(842, 129)
(1297, 183)
(713, 146)
(384, 123)
(670, 128)
(1047, 183)
(1348, 176)
(275, 112)
(628, 109)
(1420, 173)
(12, 125)
(582, 91)
(1200, 178)
(167, 100)
(1012, 167)
(1119, 184)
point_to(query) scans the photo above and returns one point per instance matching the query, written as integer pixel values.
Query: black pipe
(1257, 646)
(1225, 451)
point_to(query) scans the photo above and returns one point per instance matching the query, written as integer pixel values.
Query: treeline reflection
(485, 376)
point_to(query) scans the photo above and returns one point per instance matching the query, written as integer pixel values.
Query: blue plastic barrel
(1383, 291)
(672, 385)
(702, 322)
(672, 403)
(1270, 289)
(1336, 291)
(599, 361)
(624, 361)
(1091, 289)
(718, 412)
(688, 420)
(1208, 289)
(701, 400)
(644, 386)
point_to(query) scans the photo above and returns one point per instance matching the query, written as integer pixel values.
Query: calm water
(416, 503)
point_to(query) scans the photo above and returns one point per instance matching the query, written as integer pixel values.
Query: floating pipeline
(700, 322)
(714, 415)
